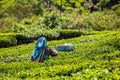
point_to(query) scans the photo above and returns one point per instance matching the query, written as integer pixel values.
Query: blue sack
(41, 45)
(65, 47)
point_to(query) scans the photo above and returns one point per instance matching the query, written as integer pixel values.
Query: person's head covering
(40, 45)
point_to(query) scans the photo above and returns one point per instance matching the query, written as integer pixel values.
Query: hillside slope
(95, 56)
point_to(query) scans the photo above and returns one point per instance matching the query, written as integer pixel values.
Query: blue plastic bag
(65, 47)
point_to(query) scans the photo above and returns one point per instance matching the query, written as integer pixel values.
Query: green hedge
(49, 34)
(12, 39)
(69, 33)
(7, 40)
(24, 38)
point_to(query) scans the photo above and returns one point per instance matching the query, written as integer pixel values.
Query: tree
(20, 8)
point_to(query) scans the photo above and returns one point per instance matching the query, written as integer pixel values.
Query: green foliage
(100, 21)
(69, 3)
(95, 57)
(48, 21)
(24, 38)
(69, 33)
(38, 8)
(116, 8)
(7, 24)
(20, 9)
(103, 4)
(7, 40)
(27, 19)
(52, 20)
(13, 39)
(14, 11)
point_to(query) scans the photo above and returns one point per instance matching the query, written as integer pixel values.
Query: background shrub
(20, 9)
(7, 40)
(99, 21)
(116, 8)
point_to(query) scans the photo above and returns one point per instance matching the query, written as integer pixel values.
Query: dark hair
(42, 35)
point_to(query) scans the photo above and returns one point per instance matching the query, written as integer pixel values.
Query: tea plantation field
(96, 57)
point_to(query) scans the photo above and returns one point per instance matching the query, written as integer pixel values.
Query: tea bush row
(12, 39)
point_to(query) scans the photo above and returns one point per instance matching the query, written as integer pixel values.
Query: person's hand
(55, 52)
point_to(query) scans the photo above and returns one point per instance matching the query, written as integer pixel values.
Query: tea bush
(70, 33)
(7, 40)
(11, 39)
